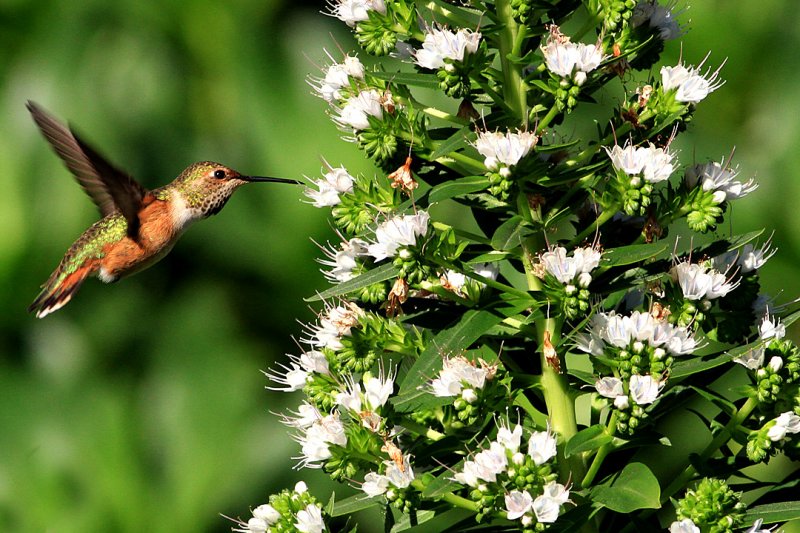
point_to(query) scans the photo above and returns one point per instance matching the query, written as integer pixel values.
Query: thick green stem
(513, 86)
(604, 217)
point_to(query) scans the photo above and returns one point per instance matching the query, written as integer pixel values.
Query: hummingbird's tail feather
(56, 293)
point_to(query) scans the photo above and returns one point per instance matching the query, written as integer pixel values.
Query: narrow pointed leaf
(628, 255)
(773, 512)
(357, 502)
(459, 187)
(376, 275)
(453, 143)
(511, 233)
(413, 79)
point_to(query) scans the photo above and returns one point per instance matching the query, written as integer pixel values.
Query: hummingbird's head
(206, 186)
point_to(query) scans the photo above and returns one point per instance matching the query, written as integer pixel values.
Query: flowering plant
(518, 313)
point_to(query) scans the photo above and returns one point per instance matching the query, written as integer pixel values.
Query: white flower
(547, 506)
(609, 387)
(566, 59)
(375, 484)
(267, 513)
(337, 76)
(353, 11)
(644, 389)
(377, 390)
(334, 182)
(756, 527)
(752, 359)
(309, 520)
(684, 526)
(351, 397)
(359, 108)
(566, 269)
(620, 331)
(720, 179)
(775, 363)
(456, 373)
(343, 261)
(296, 375)
(785, 424)
(304, 417)
(396, 232)
(315, 442)
(400, 475)
(652, 163)
(751, 259)
(771, 328)
(454, 281)
(441, 44)
(700, 282)
(542, 446)
(510, 439)
(518, 503)
(254, 525)
(504, 149)
(689, 85)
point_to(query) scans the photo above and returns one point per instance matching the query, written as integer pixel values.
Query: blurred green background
(140, 406)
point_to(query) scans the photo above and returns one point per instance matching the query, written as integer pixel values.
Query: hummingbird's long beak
(270, 179)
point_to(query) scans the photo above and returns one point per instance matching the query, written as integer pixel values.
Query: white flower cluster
(457, 281)
(441, 44)
(334, 324)
(397, 232)
(719, 179)
(333, 183)
(504, 150)
(785, 424)
(398, 475)
(569, 269)
(353, 11)
(643, 390)
(748, 259)
(570, 60)
(357, 109)
(648, 162)
(307, 520)
(689, 85)
(619, 331)
(701, 282)
(461, 377)
(659, 18)
(337, 77)
(502, 456)
(317, 434)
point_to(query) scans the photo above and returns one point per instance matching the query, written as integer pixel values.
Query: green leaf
(357, 502)
(441, 485)
(725, 405)
(772, 513)
(443, 521)
(472, 325)
(420, 517)
(628, 255)
(414, 79)
(458, 187)
(511, 233)
(451, 144)
(376, 275)
(693, 366)
(587, 439)
(635, 488)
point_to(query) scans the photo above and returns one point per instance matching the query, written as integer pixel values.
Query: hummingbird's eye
(219, 174)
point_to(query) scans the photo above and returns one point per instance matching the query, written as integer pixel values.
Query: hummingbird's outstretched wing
(110, 188)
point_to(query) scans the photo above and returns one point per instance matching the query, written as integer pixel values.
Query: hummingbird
(138, 226)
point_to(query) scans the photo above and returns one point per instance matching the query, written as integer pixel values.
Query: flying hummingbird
(138, 226)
